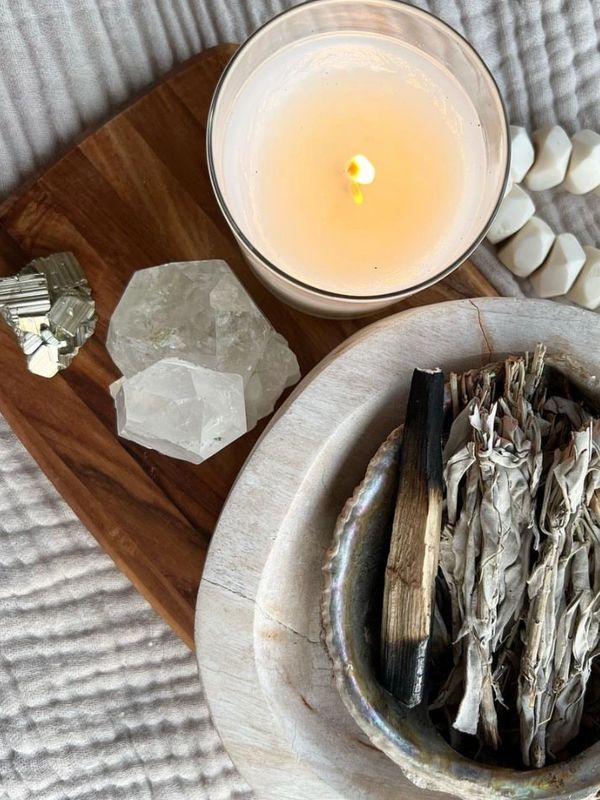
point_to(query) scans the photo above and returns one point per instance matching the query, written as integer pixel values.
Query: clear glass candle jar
(296, 104)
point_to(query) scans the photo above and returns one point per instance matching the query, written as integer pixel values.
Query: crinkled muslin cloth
(98, 699)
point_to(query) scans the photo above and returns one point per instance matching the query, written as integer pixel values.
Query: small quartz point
(181, 409)
(199, 313)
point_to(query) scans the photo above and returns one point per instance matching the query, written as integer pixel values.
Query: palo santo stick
(413, 559)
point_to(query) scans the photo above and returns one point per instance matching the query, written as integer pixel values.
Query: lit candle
(360, 172)
(355, 163)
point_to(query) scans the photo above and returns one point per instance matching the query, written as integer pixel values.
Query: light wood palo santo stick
(413, 558)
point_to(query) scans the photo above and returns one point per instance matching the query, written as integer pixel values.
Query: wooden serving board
(132, 194)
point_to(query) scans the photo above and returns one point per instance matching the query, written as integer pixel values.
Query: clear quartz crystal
(180, 409)
(198, 311)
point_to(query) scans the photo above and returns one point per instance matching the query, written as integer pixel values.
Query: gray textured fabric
(98, 699)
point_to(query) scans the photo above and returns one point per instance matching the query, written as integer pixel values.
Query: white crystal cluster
(558, 265)
(201, 364)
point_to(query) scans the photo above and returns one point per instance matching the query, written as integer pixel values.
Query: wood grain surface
(133, 194)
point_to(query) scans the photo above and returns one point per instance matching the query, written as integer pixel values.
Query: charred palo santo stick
(413, 559)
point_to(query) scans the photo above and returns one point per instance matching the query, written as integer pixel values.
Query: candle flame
(361, 172)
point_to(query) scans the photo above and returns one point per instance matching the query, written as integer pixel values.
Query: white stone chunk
(552, 153)
(516, 208)
(583, 174)
(180, 409)
(521, 153)
(561, 267)
(199, 312)
(586, 291)
(528, 248)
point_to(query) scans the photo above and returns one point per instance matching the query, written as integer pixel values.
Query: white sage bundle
(491, 479)
(522, 575)
(562, 629)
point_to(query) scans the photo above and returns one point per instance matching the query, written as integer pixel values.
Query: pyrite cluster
(49, 307)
